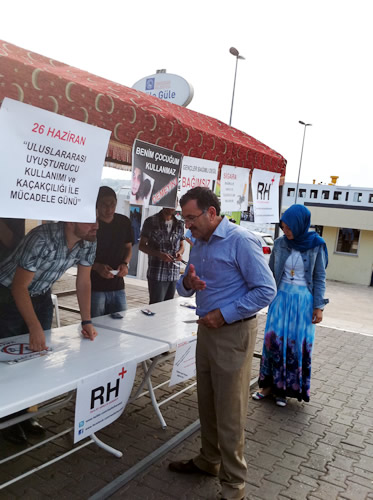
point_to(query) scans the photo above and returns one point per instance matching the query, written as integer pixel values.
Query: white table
(40, 379)
(73, 357)
(166, 326)
(135, 338)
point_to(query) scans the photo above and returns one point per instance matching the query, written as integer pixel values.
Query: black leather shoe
(15, 434)
(32, 426)
(187, 467)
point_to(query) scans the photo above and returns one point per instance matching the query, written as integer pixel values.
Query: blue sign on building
(150, 83)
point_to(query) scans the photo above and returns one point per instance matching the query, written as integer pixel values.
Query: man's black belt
(242, 320)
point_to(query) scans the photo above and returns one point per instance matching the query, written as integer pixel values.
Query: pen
(183, 261)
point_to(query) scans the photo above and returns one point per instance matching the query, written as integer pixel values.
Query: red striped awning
(128, 113)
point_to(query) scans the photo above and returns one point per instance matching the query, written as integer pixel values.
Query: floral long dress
(288, 341)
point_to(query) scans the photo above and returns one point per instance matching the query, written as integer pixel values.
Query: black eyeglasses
(189, 219)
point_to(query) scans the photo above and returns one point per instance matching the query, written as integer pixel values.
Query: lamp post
(236, 54)
(301, 155)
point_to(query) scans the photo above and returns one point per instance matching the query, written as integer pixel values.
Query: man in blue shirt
(232, 282)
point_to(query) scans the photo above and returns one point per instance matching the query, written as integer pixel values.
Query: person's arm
(317, 315)
(83, 292)
(319, 285)
(103, 270)
(272, 259)
(180, 252)
(21, 281)
(144, 247)
(123, 267)
(261, 286)
(183, 285)
(190, 281)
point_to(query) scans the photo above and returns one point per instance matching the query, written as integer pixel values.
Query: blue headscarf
(298, 218)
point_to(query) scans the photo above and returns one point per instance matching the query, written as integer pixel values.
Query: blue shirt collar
(222, 229)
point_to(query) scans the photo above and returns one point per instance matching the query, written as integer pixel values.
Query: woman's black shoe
(32, 426)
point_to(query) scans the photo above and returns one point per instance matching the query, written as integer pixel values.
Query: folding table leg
(106, 447)
(154, 399)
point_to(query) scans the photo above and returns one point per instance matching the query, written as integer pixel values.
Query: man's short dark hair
(204, 197)
(105, 191)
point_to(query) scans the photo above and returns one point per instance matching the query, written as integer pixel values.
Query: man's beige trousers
(224, 357)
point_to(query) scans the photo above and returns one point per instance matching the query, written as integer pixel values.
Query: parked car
(266, 241)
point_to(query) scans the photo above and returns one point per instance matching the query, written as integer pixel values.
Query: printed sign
(234, 188)
(50, 165)
(265, 192)
(198, 172)
(15, 352)
(168, 87)
(101, 399)
(185, 361)
(155, 174)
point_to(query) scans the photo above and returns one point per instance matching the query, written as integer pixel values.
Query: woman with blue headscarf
(298, 262)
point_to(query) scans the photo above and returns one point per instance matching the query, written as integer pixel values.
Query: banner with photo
(198, 172)
(265, 192)
(234, 188)
(50, 165)
(155, 175)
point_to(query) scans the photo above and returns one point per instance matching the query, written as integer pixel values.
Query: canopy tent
(128, 113)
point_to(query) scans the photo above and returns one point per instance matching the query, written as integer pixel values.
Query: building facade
(344, 217)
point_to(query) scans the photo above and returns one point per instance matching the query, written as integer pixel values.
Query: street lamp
(301, 155)
(236, 54)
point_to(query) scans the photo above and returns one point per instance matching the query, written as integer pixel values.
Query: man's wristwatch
(87, 322)
(126, 264)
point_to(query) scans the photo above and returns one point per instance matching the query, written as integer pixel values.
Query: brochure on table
(15, 352)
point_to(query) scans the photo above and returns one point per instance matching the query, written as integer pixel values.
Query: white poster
(101, 399)
(234, 188)
(185, 361)
(265, 188)
(50, 165)
(198, 172)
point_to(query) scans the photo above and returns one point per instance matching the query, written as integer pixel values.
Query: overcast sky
(309, 61)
